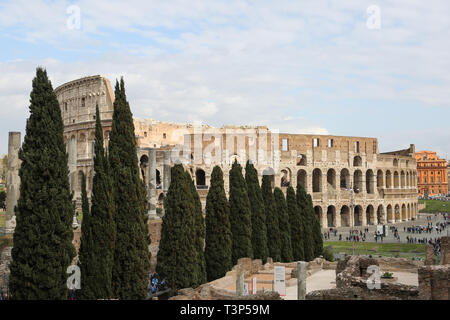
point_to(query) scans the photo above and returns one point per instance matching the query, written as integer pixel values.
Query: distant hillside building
(432, 172)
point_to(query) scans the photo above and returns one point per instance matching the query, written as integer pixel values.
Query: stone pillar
(72, 161)
(12, 180)
(152, 183)
(363, 218)
(239, 283)
(166, 173)
(301, 280)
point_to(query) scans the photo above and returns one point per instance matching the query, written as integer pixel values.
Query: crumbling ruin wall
(434, 282)
(445, 250)
(5, 260)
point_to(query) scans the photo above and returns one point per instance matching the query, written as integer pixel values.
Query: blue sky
(297, 66)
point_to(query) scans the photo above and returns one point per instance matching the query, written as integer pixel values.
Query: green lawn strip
(378, 249)
(432, 206)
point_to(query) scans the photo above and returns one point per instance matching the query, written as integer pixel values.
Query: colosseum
(350, 181)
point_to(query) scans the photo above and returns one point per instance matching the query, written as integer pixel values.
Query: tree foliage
(285, 228)
(273, 228)
(218, 228)
(43, 248)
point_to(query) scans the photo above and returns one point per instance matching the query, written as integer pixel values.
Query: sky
(358, 68)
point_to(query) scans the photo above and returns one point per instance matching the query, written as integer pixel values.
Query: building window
(164, 135)
(356, 146)
(424, 157)
(330, 143)
(284, 144)
(83, 102)
(316, 142)
(65, 106)
(145, 134)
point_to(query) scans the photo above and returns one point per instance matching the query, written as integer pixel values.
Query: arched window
(200, 179)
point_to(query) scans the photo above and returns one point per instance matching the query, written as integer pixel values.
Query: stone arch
(396, 179)
(408, 211)
(160, 203)
(302, 178)
(270, 172)
(345, 179)
(380, 179)
(345, 216)
(143, 164)
(357, 215)
(390, 213)
(301, 160)
(158, 179)
(318, 212)
(370, 215)
(404, 216)
(370, 179)
(380, 214)
(331, 216)
(357, 181)
(317, 180)
(388, 179)
(200, 178)
(331, 180)
(285, 177)
(397, 213)
(357, 161)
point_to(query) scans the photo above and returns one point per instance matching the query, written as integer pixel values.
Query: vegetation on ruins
(315, 228)
(240, 215)
(218, 229)
(305, 213)
(200, 232)
(285, 228)
(258, 214)
(98, 227)
(272, 224)
(43, 248)
(131, 254)
(176, 261)
(295, 221)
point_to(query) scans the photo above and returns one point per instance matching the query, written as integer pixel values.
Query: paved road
(421, 220)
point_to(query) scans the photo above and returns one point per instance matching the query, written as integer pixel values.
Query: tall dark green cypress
(316, 229)
(98, 231)
(285, 229)
(295, 221)
(258, 217)
(43, 248)
(199, 225)
(302, 203)
(273, 228)
(240, 215)
(177, 261)
(218, 229)
(131, 254)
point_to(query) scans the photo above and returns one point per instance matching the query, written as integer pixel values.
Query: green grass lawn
(435, 206)
(402, 250)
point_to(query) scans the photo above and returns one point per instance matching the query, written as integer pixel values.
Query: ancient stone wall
(434, 282)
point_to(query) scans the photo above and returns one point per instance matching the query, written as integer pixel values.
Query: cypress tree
(240, 215)
(316, 229)
(131, 254)
(302, 203)
(258, 215)
(285, 229)
(218, 229)
(273, 228)
(199, 226)
(295, 221)
(177, 261)
(43, 248)
(98, 229)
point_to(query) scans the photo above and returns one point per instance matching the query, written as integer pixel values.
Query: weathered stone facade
(350, 181)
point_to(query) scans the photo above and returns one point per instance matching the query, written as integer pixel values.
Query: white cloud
(239, 62)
